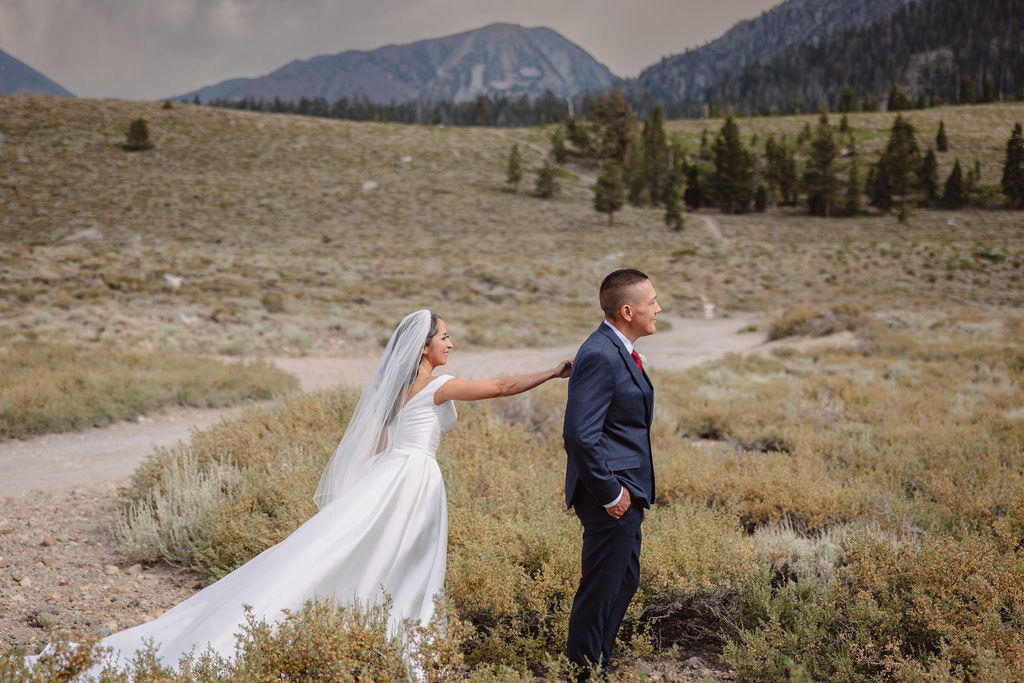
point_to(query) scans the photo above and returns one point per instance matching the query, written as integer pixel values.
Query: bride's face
(436, 352)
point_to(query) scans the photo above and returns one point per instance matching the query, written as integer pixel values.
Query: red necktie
(636, 357)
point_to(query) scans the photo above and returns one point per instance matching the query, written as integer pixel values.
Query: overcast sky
(153, 49)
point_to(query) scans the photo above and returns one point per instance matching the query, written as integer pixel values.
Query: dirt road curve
(110, 453)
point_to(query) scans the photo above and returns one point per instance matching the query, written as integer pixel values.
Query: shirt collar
(628, 344)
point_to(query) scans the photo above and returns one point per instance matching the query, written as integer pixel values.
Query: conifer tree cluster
(645, 166)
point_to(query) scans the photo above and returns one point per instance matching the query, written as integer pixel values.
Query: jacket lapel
(640, 377)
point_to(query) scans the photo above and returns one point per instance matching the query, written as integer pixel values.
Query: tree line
(496, 110)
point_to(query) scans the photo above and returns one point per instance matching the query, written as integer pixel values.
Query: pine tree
(895, 172)
(820, 181)
(789, 185)
(844, 125)
(941, 143)
(693, 196)
(771, 169)
(955, 194)
(1013, 169)
(547, 184)
(732, 181)
(558, 150)
(705, 146)
(851, 200)
(673, 213)
(847, 100)
(898, 100)
(929, 175)
(655, 157)
(578, 135)
(514, 171)
(967, 95)
(137, 137)
(760, 199)
(633, 175)
(616, 123)
(609, 192)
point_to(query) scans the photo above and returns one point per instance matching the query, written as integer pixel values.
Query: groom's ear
(626, 312)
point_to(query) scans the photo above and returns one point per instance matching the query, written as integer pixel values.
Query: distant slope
(946, 49)
(687, 76)
(18, 78)
(500, 59)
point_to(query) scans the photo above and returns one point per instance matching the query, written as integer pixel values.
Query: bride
(382, 527)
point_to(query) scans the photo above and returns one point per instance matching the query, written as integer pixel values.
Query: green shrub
(137, 136)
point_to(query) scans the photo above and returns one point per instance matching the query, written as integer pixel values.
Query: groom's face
(644, 308)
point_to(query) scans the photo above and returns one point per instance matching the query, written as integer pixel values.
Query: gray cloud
(149, 49)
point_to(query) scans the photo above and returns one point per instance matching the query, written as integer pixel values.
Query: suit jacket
(607, 430)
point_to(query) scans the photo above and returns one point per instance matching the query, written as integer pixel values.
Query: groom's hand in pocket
(620, 508)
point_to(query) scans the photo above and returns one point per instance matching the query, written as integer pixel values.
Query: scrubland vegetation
(848, 514)
(47, 387)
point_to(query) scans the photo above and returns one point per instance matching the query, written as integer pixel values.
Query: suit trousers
(610, 576)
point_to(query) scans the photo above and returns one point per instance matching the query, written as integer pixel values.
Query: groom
(609, 475)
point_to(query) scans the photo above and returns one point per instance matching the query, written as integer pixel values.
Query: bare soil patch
(59, 566)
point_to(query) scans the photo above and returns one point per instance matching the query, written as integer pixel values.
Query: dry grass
(53, 388)
(282, 250)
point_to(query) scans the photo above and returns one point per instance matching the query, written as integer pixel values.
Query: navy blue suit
(607, 436)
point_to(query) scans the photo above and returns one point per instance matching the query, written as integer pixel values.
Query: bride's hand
(563, 368)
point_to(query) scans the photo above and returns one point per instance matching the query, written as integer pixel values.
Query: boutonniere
(643, 360)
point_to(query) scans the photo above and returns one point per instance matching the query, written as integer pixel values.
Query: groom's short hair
(615, 290)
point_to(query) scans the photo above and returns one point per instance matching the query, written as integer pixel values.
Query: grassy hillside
(283, 247)
(843, 514)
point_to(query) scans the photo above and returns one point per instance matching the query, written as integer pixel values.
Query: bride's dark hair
(434, 317)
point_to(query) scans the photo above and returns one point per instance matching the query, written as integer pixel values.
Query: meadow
(846, 514)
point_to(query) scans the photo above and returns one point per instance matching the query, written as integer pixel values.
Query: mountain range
(798, 55)
(17, 77)
(686, 76)
(500, 59)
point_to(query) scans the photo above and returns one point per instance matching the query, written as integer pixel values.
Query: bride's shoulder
(440, 381)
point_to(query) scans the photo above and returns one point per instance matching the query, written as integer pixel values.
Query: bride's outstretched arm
(474, 390)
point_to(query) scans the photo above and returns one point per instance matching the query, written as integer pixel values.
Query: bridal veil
(383, 396)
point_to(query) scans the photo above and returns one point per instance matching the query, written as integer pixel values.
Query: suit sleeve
(591, 387)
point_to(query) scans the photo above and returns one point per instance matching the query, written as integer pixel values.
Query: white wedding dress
(385, 533)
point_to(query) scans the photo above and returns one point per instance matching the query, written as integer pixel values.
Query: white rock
(173, 282)
(370, 185)
(86, 235)
(406, 160)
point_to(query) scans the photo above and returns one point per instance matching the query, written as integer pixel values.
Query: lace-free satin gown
(387, 533)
